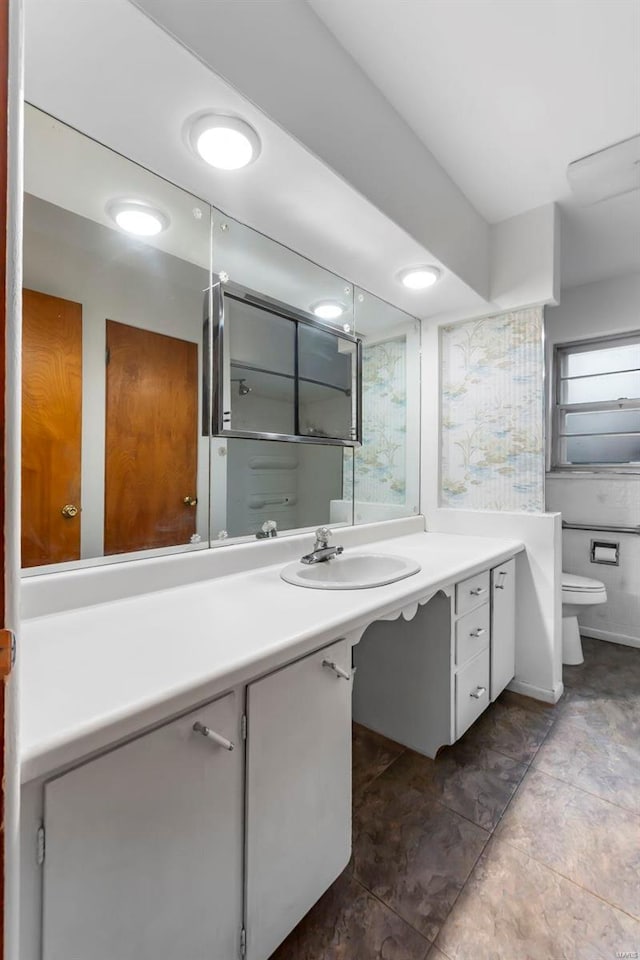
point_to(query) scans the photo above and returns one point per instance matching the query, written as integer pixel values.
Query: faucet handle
(322, 537)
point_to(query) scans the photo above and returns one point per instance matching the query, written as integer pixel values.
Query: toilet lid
(575, 584)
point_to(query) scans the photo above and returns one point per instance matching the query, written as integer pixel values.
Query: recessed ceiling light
(328, 309)
(419, 278)
(138, 218)
(227, 143)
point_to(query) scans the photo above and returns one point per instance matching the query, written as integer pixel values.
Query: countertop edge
(47, 757)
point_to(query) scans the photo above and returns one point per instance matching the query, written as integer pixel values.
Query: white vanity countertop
(93, 676)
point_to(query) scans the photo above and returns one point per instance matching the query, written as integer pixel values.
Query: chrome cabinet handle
(477, 591)
(500, 586)
(478, 692)
(339, 672)
(212, 735)
(478, 632)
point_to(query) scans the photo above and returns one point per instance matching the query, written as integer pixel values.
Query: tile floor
(520, 842)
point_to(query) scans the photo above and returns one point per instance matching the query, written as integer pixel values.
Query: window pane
(603, 449)
(603, 360)
(610, 421)
(610, 386)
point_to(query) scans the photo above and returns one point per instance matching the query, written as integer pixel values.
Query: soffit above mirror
(138, 105)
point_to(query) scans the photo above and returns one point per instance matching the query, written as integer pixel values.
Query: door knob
(69, 511)
(190, 501)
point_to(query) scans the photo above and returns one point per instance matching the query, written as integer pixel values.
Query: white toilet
(577, 593)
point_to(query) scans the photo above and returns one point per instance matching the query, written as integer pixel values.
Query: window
(597, 403)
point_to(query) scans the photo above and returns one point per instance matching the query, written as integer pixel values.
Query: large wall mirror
(115, 264)
(119, 458)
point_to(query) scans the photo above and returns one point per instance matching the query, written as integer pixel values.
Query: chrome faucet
(269, 529)
(321, 550)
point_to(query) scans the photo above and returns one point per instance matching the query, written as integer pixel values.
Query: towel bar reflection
(601, 527)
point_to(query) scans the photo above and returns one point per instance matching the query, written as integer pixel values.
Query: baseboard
(610, 637)
(536, 693)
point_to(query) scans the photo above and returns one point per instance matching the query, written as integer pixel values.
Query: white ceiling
(108, 70)
(505, 94)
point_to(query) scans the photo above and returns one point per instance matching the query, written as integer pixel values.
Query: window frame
(560, 409)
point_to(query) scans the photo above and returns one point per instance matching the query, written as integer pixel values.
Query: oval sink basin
(355, 571)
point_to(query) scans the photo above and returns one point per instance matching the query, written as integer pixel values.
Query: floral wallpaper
(492, 413)
(380, 463)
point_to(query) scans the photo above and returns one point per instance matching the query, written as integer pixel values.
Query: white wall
(591, 310)
(525, 253)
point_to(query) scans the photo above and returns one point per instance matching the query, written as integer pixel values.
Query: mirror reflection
(296, 378)
(113, 457)
(387, 465)
(119, 455)
(292, 485)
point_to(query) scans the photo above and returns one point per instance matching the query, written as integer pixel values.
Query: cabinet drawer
(472, 691)
(472, 633)
(471, 592)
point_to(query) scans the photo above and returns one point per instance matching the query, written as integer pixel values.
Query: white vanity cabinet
(503, 618)
(143, 856)
(298, 792)
(423, 683)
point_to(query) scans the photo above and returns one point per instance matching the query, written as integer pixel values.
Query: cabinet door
(144, 848)
(503, 626)
(298, 793)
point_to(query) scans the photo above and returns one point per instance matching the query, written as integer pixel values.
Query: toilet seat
(572, 582)
(582, 590)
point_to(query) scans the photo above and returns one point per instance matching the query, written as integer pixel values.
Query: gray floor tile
(372, 754)
(588, 840)
(412, 852)
(436, 954)
(512, 727)
(475, 782)
(595, 745)
(348, 923)
(514, 908)
(607, 667)
(616, 716)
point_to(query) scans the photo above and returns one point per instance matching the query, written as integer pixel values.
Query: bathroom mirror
(277, 373)
(119, 458)
(285, 374)
(115, 264)
(387, 465)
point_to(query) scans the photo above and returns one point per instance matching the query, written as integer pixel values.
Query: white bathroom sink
(353, 571)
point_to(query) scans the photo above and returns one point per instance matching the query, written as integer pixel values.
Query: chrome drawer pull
(212, 735)
(477, 591)
(478, 692)
(478, 632)
(339, 672)
(500, 586)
